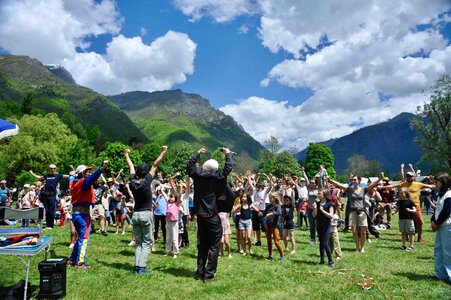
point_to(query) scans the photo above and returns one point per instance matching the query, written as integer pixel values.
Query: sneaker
(410, 248)
(258, 243)
(270, 258)
(322, 262)
(104, 233)
(71, 246)
(230, 255)
(143, 271)
(83, 266)
(251, 252)
(123, 232)
(293, 252)
(369, 241)
(403, 248)
(175, 256)
(282, 258)
(331, 264)
(132, 243)
(241, 251)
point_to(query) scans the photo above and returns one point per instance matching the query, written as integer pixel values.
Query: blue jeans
(312, 222)
(442, 253)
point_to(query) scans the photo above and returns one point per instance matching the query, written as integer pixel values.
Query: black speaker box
(52, 284)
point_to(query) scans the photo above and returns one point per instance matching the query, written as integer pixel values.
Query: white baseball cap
(81, 169)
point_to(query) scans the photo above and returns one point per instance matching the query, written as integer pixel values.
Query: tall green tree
(26, 104)
(179, 157)
(434, 124)
(360, 166)
(114, 152)
(284, 164)
(42, 140)
(319, 154)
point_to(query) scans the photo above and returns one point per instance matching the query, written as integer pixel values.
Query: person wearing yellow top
(414, 189)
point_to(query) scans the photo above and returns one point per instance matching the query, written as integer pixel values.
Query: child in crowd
(334, 241)
(120, 212)
(302, 212)
(272, 212)
(245, 225)
(180, 224)
(172, 223)
(225, 233)
(25, 202)
(323, 212)
(288, 223)
(406, 208)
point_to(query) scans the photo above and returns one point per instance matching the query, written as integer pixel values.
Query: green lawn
(399, 274)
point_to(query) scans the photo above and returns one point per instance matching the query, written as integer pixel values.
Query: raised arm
(374, 184)
(249, 181)
(191, 167)
(39, 177)
(402, 172)
(228, 162)
(340, 185)
(154, 167)
(304, 174)
(129, 163)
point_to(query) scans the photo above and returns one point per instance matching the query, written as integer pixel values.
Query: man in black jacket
(209, 185)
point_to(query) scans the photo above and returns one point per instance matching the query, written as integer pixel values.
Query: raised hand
(202, 151)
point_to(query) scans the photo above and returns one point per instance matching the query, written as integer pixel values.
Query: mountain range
(174, 116)
(54, 90)
(390, 143)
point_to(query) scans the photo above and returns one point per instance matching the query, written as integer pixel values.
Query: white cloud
(244, 29)
(50, 30)
(53, 30)
(130, 64)
(220, 10)
(348, 53)
(297, 126)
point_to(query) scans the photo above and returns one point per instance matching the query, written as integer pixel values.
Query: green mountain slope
(173, 116)
(21, 75)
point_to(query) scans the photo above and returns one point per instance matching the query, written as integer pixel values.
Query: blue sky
(302, 71)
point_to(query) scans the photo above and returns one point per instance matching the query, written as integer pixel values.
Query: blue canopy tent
(7, 129)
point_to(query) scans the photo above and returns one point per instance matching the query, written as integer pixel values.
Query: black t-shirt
(402, 208)
(51, 182)
(141, 190)
(98, 193)
(322, 220)
(288, 213)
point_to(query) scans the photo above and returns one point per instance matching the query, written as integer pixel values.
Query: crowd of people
(205, 203)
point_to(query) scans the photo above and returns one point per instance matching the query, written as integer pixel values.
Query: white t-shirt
(185, 203)
(259, 198)
(334, 223)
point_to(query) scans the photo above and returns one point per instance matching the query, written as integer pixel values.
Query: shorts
(98, 209)
(107, 214)
(245, 224)
(406, 226)
(289, 225)
(358, 219)
(288, 230)
(418, 217)
(225, 226)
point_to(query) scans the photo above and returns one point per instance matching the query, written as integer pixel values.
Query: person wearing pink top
(172, 218)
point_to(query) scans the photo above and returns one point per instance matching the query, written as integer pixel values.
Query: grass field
(395, 274)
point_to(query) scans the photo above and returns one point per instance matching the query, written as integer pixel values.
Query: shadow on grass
(415, 276)
(4, 290)
(123, 266)
(177, 272)
(127, 253)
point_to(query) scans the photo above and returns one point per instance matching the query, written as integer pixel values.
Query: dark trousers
(347, 212)
(312, 222)
(50, 207)
(210, 233)
(323, 236)
(160, 220)
(185, 234)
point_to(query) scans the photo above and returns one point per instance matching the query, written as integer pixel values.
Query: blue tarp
(7, 129)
